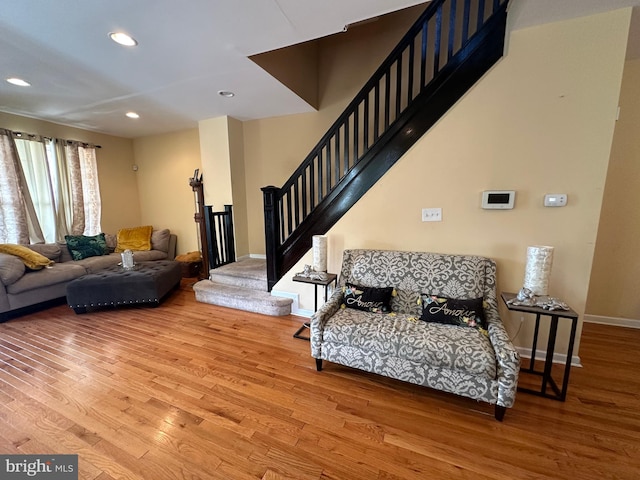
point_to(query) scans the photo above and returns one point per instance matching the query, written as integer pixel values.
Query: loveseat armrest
(507, 363)
(319, 319)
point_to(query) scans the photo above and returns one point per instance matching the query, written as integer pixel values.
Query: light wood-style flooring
(193, 391)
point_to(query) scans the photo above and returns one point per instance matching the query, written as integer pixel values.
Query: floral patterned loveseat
(481, 364)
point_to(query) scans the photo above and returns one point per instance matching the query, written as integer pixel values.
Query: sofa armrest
(507, 363)
(318, 320)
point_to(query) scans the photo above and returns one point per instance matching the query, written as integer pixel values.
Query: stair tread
(242, 292)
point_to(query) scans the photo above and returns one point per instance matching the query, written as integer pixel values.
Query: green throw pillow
(81, 246)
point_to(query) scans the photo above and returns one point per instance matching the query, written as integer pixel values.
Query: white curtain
(18, 220)
(33, 159)
(51, 189)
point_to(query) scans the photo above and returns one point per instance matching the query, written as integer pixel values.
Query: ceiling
(187, 52)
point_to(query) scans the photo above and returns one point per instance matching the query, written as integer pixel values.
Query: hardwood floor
(190, 390)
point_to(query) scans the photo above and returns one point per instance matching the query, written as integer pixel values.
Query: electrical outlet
(431, 214)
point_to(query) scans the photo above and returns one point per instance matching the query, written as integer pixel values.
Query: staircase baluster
(480, 14)
(452, 29)
(436, 48)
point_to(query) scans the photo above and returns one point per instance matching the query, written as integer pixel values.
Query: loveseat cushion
(408, 338)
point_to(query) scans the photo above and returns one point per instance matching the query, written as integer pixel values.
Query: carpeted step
(241, 298)
(247, 273)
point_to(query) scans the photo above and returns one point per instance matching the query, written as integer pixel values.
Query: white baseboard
(560, 358)
(256, 255)
(615, 321)
(295, 306)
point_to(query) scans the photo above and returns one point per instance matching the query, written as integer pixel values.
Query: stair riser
(244, 282)
(233, 302)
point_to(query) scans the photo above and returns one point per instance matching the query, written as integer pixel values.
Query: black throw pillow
(369, 299)
(453, 311)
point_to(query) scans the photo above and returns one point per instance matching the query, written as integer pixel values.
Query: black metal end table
(547, 380)
(331, 278)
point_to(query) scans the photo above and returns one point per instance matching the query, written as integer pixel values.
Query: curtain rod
(84, 144)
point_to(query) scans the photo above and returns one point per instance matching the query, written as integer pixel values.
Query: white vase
(319, 253)
(538, 269)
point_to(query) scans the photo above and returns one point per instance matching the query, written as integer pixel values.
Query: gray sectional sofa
(23, 290)
(478, 363)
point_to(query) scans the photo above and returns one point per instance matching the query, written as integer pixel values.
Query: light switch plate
(431, 214)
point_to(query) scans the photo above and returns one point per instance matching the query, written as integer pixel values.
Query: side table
(547, 379)
(331, 278)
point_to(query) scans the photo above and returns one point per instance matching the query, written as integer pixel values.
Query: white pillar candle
(319, 253)
(538, 269)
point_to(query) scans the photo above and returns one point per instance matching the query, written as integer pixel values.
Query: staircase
(242, 285)
(449, 48)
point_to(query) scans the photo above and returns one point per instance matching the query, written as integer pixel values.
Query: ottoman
(146, 284)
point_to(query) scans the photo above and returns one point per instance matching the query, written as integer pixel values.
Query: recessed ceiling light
(132, 115)
(18, 81)
(226, 93)
(123, 39)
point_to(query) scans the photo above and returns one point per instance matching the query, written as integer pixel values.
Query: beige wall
(165, 164)
(613, 291)
(541, 121)
(222, 154)
(118, 187)
(216, 167)
(274, 147)
(238, 186)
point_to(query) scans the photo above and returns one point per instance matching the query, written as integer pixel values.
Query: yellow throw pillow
(31, 259)
(138, 238)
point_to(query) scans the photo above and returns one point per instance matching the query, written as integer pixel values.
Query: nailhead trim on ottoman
(148, 283)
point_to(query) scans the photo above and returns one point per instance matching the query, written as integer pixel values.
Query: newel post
(272, 233)
(230, 237)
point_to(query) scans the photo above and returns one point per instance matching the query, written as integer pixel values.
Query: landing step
(241, 298)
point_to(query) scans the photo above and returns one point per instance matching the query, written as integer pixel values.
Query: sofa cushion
(93, 264)
(50, 250)
(368, 299)
(160, 240)
(31, 258)
(406, 337)
(149, 255)
(81, 246)
(453, 311)
(56, 273)
(11, 268)
(138, 238)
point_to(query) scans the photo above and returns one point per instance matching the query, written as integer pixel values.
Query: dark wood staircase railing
(220, 237)
(451, 45)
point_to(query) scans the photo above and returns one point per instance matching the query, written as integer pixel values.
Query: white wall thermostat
(555, 200)
(498, 199)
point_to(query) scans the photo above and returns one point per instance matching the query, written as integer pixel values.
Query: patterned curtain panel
(72, 161)
(90, 190)
(48, 189)
(18, 220)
